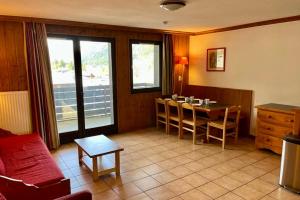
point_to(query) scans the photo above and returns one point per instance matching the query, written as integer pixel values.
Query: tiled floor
(159, 166)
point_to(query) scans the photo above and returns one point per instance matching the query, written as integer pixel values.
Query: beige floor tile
(213, 190)
(180, 171)
(74, 182)
(248, 160)
(147, 183)
(84, 179)
(106, 195)
(270, 178)
(79, 170)
(230, 196)
(160, 193)
(180, 160)
(127, 190)
(224, 168)
(195, 155)
(237, 163)
(228, 183)
(267, 198)
(195, 180)
(265, 165)
(179, 186)
(176, 198)
(153, 169)
(164, 177)
(141, 196)
(248, 193)
(71, 163)
(67, 173)
(210, 174)
(262, 186)
(167, 164)
(209, 161)
(152, 158)
(133, 175)
(253, 171)
(258, 154)
(169, 154)
(142, 162)
(283, 194)
(195, 166)
(276, 172)
(241, 177)
(93, 187)
(156, 158)
(195, 195)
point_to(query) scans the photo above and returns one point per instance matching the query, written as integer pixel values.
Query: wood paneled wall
(134, 110)
(180, 48)
(226, 96)
(13, 75)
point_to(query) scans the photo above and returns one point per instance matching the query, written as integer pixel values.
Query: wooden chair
(230, 122)
(190, 122)
(173, 119)
(161, 112)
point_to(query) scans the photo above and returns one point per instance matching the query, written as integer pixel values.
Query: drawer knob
(270, 116)
(269, 129)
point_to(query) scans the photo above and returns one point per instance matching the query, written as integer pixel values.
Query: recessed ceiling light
(172, 5)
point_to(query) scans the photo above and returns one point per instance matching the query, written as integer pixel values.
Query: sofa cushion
(27, 158)
(5, 133)
(2, 197)
(2, 167)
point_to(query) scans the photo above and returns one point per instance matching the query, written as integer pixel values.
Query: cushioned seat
(27, 158)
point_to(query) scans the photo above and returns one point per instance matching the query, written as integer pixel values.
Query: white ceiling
(198, 15)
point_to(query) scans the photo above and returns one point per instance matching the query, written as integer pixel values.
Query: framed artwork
(216, 58)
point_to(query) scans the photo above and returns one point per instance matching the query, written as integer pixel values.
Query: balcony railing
(97, 101)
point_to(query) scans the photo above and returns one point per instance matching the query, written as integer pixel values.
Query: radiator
(15, 113)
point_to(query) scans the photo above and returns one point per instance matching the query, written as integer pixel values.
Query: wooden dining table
(211, 107)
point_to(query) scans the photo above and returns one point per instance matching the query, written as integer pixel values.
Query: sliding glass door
(83, 85)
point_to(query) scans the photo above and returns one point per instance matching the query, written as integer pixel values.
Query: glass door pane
(64, 83)
(96, 64)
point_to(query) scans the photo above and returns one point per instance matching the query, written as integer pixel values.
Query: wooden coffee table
(95, 147)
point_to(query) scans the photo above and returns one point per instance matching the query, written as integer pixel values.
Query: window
(83, 85)
(145, 66)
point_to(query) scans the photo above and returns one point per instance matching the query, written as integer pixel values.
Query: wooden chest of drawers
(274, 121)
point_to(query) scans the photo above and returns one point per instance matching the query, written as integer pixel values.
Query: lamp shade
(183, 60)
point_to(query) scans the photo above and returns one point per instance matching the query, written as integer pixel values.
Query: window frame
(67, 137)
(152, 89)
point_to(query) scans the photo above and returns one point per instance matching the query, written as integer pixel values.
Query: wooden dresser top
(279, 108)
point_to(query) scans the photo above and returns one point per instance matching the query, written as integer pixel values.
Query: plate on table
(212, 101)
(180, 101)
(168, 99)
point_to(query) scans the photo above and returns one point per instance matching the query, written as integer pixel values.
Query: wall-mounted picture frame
(216, 58)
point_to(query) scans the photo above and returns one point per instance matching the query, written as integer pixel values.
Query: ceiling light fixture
(172, 5)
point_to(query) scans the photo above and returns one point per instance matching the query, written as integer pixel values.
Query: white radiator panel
(15, 114)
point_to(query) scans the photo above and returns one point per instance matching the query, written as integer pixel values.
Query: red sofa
(84, 195)
(27, 170)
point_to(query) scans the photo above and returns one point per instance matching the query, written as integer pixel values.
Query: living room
(128, 96)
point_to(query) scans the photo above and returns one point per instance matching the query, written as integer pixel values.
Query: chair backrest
(233, 113)
(160, 105)
(187, 106)
(173, 104)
